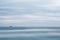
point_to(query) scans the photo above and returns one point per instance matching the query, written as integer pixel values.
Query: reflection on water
(30, 33)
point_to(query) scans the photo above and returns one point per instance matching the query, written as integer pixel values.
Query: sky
(30, 13)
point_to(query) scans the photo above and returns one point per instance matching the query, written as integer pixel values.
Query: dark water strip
(14, 28)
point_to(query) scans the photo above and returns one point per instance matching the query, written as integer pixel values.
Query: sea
(29, 33)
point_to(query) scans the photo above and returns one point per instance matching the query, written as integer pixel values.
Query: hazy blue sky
(30, 12)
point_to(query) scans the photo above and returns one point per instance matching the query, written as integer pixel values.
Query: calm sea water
(30, 33)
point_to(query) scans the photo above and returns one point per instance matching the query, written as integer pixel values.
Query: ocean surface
(29, 33)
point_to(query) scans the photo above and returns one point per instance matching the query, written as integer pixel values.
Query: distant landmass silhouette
(10, 27)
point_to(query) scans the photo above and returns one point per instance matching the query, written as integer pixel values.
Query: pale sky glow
(30, 12)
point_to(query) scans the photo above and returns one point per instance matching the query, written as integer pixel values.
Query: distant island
(10, 27)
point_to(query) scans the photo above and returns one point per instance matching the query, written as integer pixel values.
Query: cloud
(25, 12)
(30, 20)
(31, 17)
